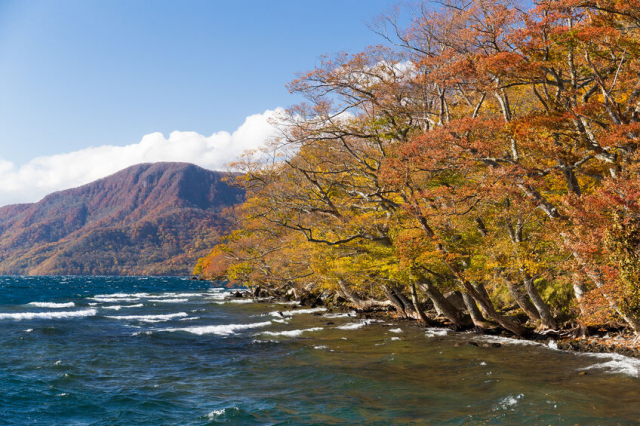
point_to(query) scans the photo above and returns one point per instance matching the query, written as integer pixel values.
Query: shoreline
(611, 342)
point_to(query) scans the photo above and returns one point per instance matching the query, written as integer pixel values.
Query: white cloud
(43, 175)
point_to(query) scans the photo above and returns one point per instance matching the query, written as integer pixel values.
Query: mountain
(149, 219)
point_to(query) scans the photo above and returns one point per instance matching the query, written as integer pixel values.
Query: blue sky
(86, 73)
(83, 81)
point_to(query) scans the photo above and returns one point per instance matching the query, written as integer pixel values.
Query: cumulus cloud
(43, 175)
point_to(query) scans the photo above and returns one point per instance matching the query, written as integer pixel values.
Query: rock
(238, 294)
(470, 343)
(329, 323)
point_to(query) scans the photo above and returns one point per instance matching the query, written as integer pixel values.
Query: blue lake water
(170, 351)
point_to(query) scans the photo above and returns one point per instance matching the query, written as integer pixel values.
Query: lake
(156, 351)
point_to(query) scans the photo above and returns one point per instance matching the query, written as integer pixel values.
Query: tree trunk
(397, 302)
(361, 304)
(454, 315)
(483, 291)
(414, 298)
(521, 299)
(484, 303)
(594, 275)
(579, 290)
(487, 306)
(409, 310)
(546, 318)
(474, 312)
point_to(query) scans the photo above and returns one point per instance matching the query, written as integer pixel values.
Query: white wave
(295, 312)
(258, 341)
(343, 315)
(553, 344)
(616, 363)
(118, 307)
(115, 299)
(172, 300)
(149, 318)
(28, 330)
(114, 307)
(396, 330)
(217, 413)
(52, 305)
(239, 301)
(291, 333)
(507, 340)
(320, 347)
(221, 330)
(159, 296)
(122, 295)
(189, 294)
(396, 338)
(216, 296)
(281, 320)
(433, 332)
(507, 402)
(189, 319)
(49, 315)
(142, 333)
(356, 325)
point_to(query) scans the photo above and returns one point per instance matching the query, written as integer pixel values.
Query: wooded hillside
(149, 219)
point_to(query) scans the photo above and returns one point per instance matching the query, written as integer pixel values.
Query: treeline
(492, 151)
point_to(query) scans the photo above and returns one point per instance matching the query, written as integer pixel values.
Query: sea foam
(49, 315)
(616, 363)
(52, 305)
(150, 318)
(433, 332)
(115, 299)
(221, 330)
(118, 307)
(340, 315)
(507, 402)
(296, 312)
(356, 325)
(291, 333)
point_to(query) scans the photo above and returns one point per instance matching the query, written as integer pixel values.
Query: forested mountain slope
(149, 219)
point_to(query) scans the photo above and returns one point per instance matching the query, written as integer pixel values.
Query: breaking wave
(52, 305)
(221, 330)
(291, 333)
(49, 315)
(149, 318)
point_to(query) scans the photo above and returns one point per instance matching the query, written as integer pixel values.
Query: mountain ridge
(148, 219)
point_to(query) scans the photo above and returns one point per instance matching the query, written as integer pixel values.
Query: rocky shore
(569, 338)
